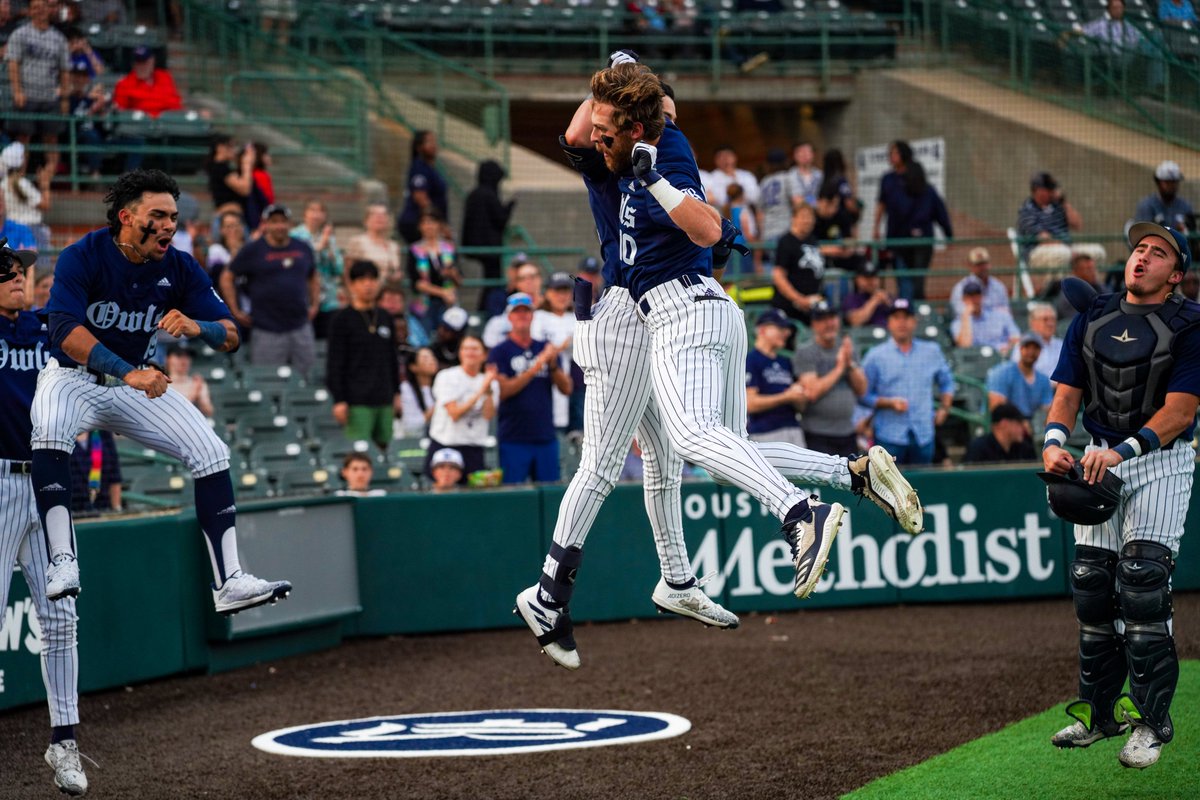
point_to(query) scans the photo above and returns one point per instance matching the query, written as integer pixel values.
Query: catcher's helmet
(1075, 500)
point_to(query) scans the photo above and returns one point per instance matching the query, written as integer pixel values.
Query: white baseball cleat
(811, 539)
(1077, 734)
(692, 602)
(551, 626)
(242, 591)
(63, 758)
(1142, 750)
(887, 488)
(62, 578)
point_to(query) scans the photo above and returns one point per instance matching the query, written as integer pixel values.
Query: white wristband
(667, 195)
(1056, 436)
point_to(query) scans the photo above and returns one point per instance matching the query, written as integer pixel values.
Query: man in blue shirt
(113, 291)
(1165, 206)
(773, 396)
(24, 351)
(1018, 382)
(979, 325)
(281, 280)
(526, 368)
(901, 375)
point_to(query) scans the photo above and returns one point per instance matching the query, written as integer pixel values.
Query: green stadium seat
(305, 480)
(163, 486)
(278, 456)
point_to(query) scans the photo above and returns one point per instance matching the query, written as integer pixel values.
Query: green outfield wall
(420, 563)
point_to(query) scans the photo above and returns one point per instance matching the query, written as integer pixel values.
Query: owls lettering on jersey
(652, 248)
(121, 303)
(24, 351)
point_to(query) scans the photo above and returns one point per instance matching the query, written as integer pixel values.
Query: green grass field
(1019, 762)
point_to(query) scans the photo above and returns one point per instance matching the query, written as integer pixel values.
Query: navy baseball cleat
(811, 536)
(551, 626)
(62, 578)
(242, 591)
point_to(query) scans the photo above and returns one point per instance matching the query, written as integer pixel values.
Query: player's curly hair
(129, 188)
(635, 93)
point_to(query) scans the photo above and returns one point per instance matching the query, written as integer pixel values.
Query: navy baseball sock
(52, 491)
(217, 513)
(800, 511)
(686, 585)
(60, 733)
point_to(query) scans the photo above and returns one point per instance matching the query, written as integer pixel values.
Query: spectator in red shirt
(147, 88)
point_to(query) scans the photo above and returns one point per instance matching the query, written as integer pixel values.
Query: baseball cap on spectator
(589, 264)
(773, 316)
(142, 53)
(447, 455)
(867, 268)
(776, 156)
(13, 156)
(979, 255)
(901, 305)
(518, 300)
(1007, 411)
(972, 287)
(455, 318)
(1042, 180)
(560, 280)
(276, 208)
(79, 65)
(1168, 171)
(821, 310)
(1174, 238)
(1031, 338)
(518, 259)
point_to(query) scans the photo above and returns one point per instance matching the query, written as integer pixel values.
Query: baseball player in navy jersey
(613, 349)
(113, 291)
(1131, 361)
(24, 350)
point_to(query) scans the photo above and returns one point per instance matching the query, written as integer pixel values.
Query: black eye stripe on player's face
(147, 231)
(608, 141)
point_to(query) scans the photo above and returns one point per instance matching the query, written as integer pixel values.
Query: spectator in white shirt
(464, 403)
(725, 171)
(994, 293)
(554, 322)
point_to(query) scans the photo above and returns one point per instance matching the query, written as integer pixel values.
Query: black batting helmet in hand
(1074, 499)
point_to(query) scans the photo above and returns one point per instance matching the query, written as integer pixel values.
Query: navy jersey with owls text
(604, 197)
(121, 303)
(24, 351)
(651, 247)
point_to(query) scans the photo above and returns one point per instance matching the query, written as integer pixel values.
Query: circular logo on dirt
(471, 733)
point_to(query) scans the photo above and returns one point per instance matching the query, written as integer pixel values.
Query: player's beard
(618, 158)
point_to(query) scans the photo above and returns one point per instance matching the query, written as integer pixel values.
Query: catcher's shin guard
(1102, 662)
(558, 574)
(1144, 590)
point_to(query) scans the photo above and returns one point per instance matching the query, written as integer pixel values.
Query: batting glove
(731, 239)
(622, 57)
(644, 157)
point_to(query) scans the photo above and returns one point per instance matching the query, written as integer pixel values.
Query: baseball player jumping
(24, 350)
(613, 347)
(1131, 361)
(113, 290)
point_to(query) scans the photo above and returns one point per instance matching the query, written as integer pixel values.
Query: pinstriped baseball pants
(1154, 501)
(22, 542)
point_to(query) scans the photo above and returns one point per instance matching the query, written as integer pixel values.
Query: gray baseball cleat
(692, 602)
(1142, 750)
(811, 537)
(551, 626)
(63, 758)
(884, 486)
(62, 578)
(1078, 735)
(242, 591)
